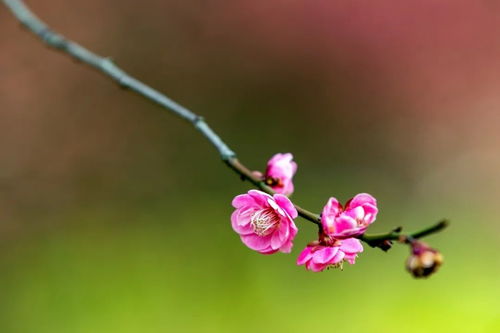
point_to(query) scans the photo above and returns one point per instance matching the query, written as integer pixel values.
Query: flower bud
(423, 260)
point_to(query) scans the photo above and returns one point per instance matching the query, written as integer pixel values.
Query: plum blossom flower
(319, 255)
(264, 223)
(349, 221)
(279, 173)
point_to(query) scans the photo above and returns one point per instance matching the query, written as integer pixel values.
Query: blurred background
(114, 214)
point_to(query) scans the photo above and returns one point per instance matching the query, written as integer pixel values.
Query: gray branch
(107, 67)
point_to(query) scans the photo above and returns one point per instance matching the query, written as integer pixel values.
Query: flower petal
(350, 258)
(243, 200)
(360, 200)
(286, 204)
(256, 242)
(260, 198)
(370, 213)
(344, 223)
(338, 258)
(286, 247)
(351, 245)
(332, 207)
(304, 256)
(241, 224)
(312, 266)
(276, 240)
(324, 255)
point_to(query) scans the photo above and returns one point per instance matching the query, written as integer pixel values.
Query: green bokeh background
(115, 214)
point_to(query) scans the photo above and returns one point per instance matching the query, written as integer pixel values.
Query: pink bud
(279, 173)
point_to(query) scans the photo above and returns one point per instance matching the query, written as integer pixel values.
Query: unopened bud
(423, 260)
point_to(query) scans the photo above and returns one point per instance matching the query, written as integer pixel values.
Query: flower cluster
(265, 223)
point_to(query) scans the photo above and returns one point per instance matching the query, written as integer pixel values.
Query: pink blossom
(349, 221)
(320, 255)
(279, 173)
(264, 223)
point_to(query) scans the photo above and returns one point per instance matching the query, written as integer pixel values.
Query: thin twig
(376, 240)
(108, 68)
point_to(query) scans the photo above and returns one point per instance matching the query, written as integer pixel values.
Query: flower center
(264, 221)
(273, 182)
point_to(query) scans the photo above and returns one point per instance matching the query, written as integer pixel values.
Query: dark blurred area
(114, 213)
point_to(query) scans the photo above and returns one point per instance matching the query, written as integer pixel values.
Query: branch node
(198, 120)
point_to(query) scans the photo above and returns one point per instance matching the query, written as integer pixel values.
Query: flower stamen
(264, 221)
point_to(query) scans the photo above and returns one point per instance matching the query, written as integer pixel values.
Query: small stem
(377, 240)
(430, 230)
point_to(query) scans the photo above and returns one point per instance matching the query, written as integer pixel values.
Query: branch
(384, 240)
(108, 68)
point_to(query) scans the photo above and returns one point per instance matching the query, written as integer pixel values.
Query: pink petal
(304, 256)
(282, 161)
(294, 166)
(280, 166)
(243, 200)
(337, 258)
(270, 251)
(351, 258)
(370, 213)
(256, 242)
(276, 240)
(344, 223)
(286, 204)
(273, 204)
(241, 224)
(360, 200)
(332, 207)
(324, 255)
(351, 245)
(357, 213)
(283, 231)
(287, 188)
(276, 158)
(293, 230)
(315, 267)
(259, 197)
(286, 247)
(350, 233)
